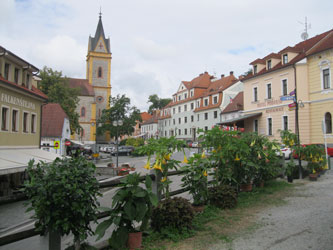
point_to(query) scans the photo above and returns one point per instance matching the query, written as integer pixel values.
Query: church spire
(95, 42)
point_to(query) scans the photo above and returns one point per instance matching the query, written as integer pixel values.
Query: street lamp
(117, 124)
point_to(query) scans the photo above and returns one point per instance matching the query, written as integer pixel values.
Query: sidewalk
(304, 222)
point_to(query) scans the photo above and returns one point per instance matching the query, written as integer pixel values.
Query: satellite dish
(305, 35)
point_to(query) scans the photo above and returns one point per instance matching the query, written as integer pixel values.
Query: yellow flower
(259, 156)
(205, 173)
(219, 148)
(237, 158)
(158, 166)
(326, 166)
(291, 142)
(167, 157)
(203, 155)
(314, 171)
(164, 161)
(164, 179)
(252, 143)
(310, 156)
(185, 160)
(214, 151)
(147, 166)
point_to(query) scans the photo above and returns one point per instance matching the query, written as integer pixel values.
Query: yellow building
(320, 65)
(269, 91)
(96, 88)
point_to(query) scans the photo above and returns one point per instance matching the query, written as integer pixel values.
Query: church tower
(99, 74)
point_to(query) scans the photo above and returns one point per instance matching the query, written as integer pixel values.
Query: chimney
(231, 73)
(240, 77)
(222, 75)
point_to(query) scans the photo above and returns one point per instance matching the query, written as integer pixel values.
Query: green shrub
(223, 196)
(172, 213)
(137, 152)
(135, 142)
(123, 142)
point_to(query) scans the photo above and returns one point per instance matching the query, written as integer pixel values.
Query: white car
(195, 144)
(286, 151)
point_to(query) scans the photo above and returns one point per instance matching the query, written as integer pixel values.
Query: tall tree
(120, 110)
(157, 103)
(56, 87)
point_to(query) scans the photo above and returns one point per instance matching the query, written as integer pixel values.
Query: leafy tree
(57, 89)
(157, 103)
(120, 110)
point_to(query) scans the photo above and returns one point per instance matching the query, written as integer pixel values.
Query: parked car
(189, 143)
(123, 150)
(195, 144)
(286, 151)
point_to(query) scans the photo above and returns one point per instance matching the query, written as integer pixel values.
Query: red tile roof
(145, 116)
(52, 120)
(34, 91)
(236, 104)
(83, 85)
(302, 47)
(324, 44)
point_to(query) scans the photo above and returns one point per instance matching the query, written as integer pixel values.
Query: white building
(197, 104)
(149, 128)
(55, 129)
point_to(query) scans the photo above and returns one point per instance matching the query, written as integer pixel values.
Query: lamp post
(117, 124)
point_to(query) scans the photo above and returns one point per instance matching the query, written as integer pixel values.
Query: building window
(179, 97)
(174, 122)
(100, 72)
(25, 122)
(328, 123)
(16, 75)
(269, 64)
(174, 110)
(255, 68)
(179, 120)
(33, 123)
(255, 126)
(15, 120)
(185, 96)
(192, 106)
(165, 133)
(215, 100)
(285, 58)
(198, 104)
(206, 102)
(185, 131)
(179, 109)
(28, 81)
(185, 107)
(192, 118)
(285, 122)
(326, 79)
(255, 94)
(215, 114)
(206, 116)
(284, 87)
(191, 93)
(198, 117)
(82, 132)
(6, 74)
(206, 128)
(185, 119)
(269, 91)
(269, 126)
(83, 112)
(179, 132)
(4, 118)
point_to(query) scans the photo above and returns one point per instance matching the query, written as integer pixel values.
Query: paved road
(13, 217)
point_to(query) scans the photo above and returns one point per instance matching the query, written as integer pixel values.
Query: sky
(156, 44)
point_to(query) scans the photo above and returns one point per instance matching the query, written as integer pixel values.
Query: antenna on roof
(305, 34)
(100, 12)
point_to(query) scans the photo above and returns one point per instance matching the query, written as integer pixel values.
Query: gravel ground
(304, 222)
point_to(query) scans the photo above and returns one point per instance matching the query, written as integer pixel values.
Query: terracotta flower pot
(313, 177)
(198, 208)
(246, 187)
(134, 240)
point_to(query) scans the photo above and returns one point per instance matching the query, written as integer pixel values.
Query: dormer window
(206, 102)
(191, 93)
(269, 64)
(285, 58)
(185, 95)
(179, 97)
(255, 69)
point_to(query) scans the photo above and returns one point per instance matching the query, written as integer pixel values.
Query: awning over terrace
(241, 118)
(16, 160)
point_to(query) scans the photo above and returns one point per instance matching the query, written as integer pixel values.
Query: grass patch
(217, 226)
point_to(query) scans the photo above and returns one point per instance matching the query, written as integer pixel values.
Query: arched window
(100, 72)
(328, 123)
(83, 112)
(82, 132)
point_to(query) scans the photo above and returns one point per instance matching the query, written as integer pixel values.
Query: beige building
(269, 91)
(20, 112)
(320, 67)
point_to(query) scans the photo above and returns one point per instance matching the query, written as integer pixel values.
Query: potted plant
(195, 179)
(290, 168)
(63, 195)
(131, 205)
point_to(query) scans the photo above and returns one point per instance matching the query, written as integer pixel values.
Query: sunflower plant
(159, 153)
(196, 178)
